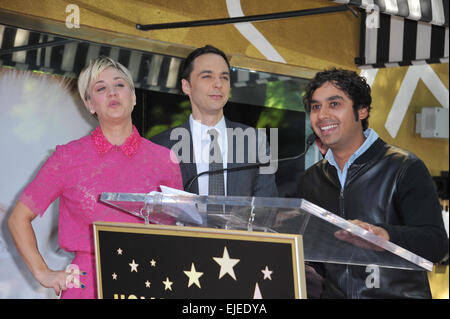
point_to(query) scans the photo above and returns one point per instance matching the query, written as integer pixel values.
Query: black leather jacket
(391, 188)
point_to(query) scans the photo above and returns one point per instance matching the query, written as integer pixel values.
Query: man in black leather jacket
(379, 187)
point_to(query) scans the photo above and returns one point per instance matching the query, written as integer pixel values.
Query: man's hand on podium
(357, 241)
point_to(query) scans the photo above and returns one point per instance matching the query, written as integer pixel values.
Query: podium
(227, 247)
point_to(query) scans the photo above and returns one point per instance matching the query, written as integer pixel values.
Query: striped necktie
(216, 184)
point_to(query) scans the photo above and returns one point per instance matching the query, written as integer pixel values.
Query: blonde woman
(113, 158)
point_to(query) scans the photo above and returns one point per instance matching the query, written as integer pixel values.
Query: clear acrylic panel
(282, 215)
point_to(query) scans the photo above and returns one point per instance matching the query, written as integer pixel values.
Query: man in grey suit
(208, 141)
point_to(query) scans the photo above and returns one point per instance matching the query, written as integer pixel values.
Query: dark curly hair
(350, 82)
(188, 64)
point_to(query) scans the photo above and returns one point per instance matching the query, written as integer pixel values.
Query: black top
(391, 188)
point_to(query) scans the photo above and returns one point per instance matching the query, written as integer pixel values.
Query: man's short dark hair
(350, 82)
(188, 63)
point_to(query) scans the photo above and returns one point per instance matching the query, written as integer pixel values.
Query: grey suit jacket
(245, 182)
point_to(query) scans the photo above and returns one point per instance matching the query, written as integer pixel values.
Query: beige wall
(434, 152)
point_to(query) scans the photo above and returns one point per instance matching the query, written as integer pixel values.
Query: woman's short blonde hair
(90, 73)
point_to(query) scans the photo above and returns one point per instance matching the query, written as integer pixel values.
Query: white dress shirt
(201, 141)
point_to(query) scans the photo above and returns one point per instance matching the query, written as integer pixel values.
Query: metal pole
(253, 18)
(35, 46)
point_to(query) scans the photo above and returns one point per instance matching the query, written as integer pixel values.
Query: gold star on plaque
(167, 284)
(147, 284)
(267, 273)
(133, 266)
(119, 251)
(226, 264)
(193, 276)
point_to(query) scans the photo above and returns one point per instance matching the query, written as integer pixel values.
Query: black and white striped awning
(400, 42)
(429, 11)
(29, 50)
(402, 32)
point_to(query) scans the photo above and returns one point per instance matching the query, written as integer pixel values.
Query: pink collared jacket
(78, 172)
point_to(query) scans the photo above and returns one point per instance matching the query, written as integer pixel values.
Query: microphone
(309, 141)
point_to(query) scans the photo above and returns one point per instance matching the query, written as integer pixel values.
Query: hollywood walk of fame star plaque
(158, 261)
